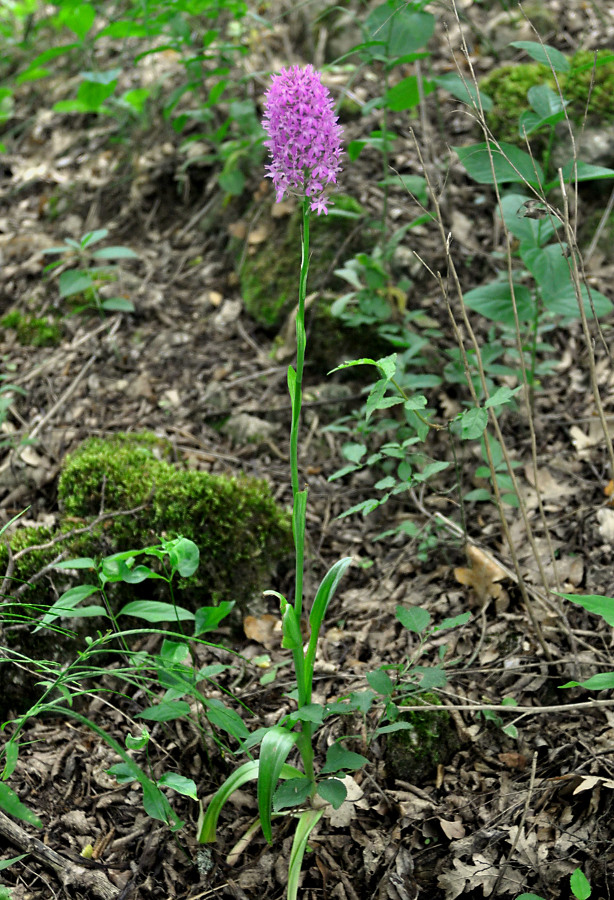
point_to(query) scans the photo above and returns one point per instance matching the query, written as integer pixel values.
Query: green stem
(296, 386)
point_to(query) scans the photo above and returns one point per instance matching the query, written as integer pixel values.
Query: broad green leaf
(83, 562)
(381, 682)
(354, 452)
(310, 712)
(114, 253)
(11, 804)
(74, 282)
(399, 31)
(338, 759)
(603, 681)
(179, 783)
(548, 266)
(494, 302)
(184, 556)
(225, 718)
(472, 423)
(387, 365)
(582, 172)
(118, 304)
(156, 611)
(375, 400)
(165, 711)
(594, 603)
(565, 303)
(530, 231)
(414, 618)
(580, 885)
(274, 749)
(207, 618)
(395, 726)
(501, 396)
(137, 742)
(509, 163)
(543, 53)
(453, 622)
(529, 897)
(547, 109)
(463, 90)
(333, 791)
(292, 793)
(407, 93)
(306, 823)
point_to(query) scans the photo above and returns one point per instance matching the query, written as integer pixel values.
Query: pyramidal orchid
(304, 139)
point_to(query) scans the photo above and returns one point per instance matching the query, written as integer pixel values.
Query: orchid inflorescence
(304, 137)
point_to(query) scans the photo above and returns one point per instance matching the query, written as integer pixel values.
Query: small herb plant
(579, 885)
(94, 268)
(172, 673)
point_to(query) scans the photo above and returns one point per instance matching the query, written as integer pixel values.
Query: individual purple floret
(304, 137)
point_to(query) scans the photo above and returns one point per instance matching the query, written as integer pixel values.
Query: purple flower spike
(304, 137)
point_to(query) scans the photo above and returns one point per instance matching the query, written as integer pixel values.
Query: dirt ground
(499, 815)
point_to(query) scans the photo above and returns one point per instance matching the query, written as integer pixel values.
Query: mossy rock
(413, 754)
(240, 531)
(508, 85)
(269, 278)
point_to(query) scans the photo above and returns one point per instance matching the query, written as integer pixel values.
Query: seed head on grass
(304, 137)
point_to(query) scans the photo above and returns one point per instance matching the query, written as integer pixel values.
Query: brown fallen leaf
(482, 576)
(513, 760)
(265, 630)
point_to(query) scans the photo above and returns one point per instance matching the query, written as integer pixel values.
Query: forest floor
(496, 815)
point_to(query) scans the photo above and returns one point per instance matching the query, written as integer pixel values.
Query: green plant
(579, 885)
(7, 390)
(600, 606)
(94, 268)
(198, 41)
(33, 330)
(298, 108)
(173, 670)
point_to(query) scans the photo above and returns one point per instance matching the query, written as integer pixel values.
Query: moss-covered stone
(508, 87)
(269, 277)
(240, 531)
(413, 754)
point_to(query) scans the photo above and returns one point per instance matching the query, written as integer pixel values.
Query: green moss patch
(508, 86)
(32, 330)
(240, 531)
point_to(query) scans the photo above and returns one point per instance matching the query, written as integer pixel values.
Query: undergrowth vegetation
(151, 568)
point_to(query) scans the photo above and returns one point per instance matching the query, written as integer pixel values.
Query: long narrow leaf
(323, 597)
(207, 826)
(274, 750)
(306, 823)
